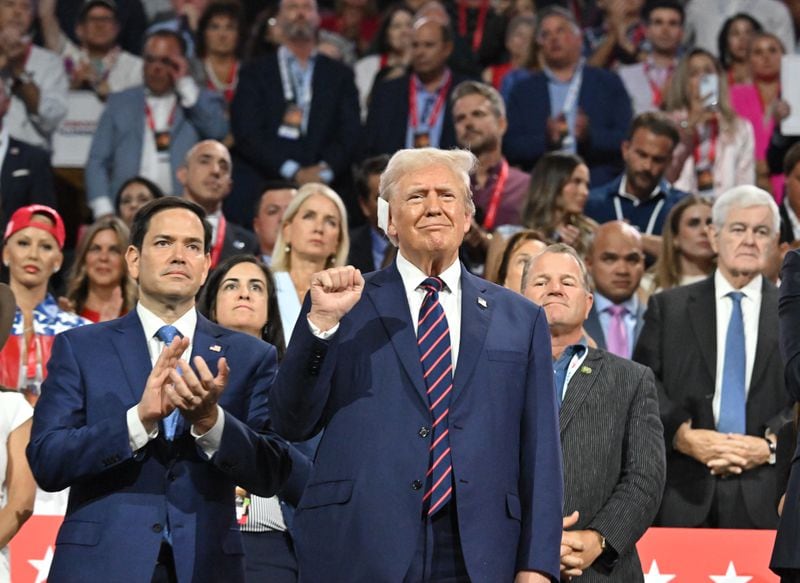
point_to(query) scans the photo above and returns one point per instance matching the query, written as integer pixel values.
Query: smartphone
(709, 90)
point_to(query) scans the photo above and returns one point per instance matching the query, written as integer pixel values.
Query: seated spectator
(641, 195)
(275, 198)
(414, 111)
(568, 106)
(32, 244)
(26, 177)
(521, 50)
(716, 151)
(220, 38)
(647, 81)
(147, 131)
(353, 20)
(99, 287)
(616, 264)
(133, 195)
(370, 250)
(183, 19)
(686, 254)
(16, 483)
(391, 57)
(556, 198)
(619, 36)
(313, 237)
(206, 179)
(35, 75)
(98, 64)
(760, 103)
(519, 249)
(733, 44)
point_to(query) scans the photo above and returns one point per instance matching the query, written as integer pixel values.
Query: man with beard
(296, 115)
(499, 190)
(641, 196)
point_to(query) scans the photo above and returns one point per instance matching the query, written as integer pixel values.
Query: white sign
(73, 138)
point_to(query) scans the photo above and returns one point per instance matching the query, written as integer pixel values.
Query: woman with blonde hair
(313, 237)
(99, 287)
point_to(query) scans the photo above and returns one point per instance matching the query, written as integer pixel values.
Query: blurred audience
(790, 206)
(734, 46)
(220, 40)
(133, 195)
(275, 198)
(521, 49)
(479, 35)
(619, 37)
(370, 250)
(353, 20)
(519, 249)
(183, 19)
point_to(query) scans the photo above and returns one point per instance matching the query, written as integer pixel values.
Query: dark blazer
(359, 518)
(238, 241)
(120, 502)
(387, 121)
(679, 342)
(787, 233)
(333, 126)
(26, 178)
(360, 255)
(602, 97)
(614, 467)
(595, 329)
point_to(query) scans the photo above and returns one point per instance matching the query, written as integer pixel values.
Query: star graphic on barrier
(42, 565)
(655, 576)
(730, 576)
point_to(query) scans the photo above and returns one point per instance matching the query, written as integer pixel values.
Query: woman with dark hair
(556, 198)
(391, 53)
(99, 287)
(220, 38)
(519, 45)
(733, 44)
(264, 37)
(686, 254)
(133, 195)
(717, 147)
(520, 247)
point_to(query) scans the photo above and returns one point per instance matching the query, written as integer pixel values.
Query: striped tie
(433, 339)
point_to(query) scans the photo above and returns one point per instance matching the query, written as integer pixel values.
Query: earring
(332, 260)
(288, 248)
(56, 268)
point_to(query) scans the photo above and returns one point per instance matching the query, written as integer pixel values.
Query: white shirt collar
(623, 191)
(752, 290)
(151, 323)
(4, 139)
(413, 276)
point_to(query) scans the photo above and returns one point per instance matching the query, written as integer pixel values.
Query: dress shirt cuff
(319, 333)
(101, 206)
(289, 169)
(188, 91)
(137, 433)
(210, 440)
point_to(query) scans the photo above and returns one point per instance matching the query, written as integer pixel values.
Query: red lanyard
(477, 36)
(658, 92)
(216, 249)
(712, 150)
(229, 88)
(437, 107)
(494, 200)
(33, 350)
(149, 115)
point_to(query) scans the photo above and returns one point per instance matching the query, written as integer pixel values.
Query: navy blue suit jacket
(359, 517)
(602, 98)
(26, 178)
(120, 501)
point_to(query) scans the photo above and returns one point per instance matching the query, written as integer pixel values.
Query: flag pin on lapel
(215, 347)
(482, 303)
(586, 370)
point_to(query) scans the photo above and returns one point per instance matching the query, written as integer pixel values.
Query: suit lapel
(579, 387)
(594, 329)
(475, 315)
(767, 327)
(702, 308)
(387, 294)
(131, 346)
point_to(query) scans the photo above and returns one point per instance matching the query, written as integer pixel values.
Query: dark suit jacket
(238, 241)
(679, 342)
(604, 100)
(360, 255)
(26, 178)
(120, 501)
(387, 121)
(594, 328)
(333, 126)
(359, 518)
(614, 466)
(787, 233)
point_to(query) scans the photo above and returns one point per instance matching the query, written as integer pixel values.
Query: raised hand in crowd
(334, 292)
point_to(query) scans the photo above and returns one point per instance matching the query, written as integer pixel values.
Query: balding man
(616, 263)
(206, 179)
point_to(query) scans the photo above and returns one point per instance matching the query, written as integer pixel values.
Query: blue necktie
(732, 405)
(167, 334)
(433, 339)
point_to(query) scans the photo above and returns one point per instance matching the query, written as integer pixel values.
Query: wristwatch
(772, 449)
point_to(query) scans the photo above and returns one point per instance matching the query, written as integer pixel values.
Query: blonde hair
(281, 258)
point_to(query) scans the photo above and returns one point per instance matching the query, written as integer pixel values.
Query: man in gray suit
(611, 435)
(616, 264)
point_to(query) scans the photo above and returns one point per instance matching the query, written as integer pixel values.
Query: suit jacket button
(157, 527)
(424, 432)
(416, 485)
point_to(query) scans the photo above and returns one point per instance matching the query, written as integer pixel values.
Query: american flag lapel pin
(215, 348)
(482, 303)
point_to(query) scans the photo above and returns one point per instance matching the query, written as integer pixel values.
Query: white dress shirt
(751, 310)
(186, 324)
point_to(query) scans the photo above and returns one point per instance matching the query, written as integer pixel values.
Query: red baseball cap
(24, 217)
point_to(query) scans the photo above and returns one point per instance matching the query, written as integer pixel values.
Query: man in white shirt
(713, 347)
(34, 75)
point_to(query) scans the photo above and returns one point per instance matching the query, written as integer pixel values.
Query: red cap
(24, 217)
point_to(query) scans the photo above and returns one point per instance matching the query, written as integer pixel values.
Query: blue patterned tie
(433, 339)
(732, 402)
(167, 334)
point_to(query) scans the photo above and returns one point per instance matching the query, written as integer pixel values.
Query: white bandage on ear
(383, 215)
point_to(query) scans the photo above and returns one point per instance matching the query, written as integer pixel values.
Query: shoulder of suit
(614, 361)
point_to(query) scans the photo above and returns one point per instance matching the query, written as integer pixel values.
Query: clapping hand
(196, 394)
(154, 404)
